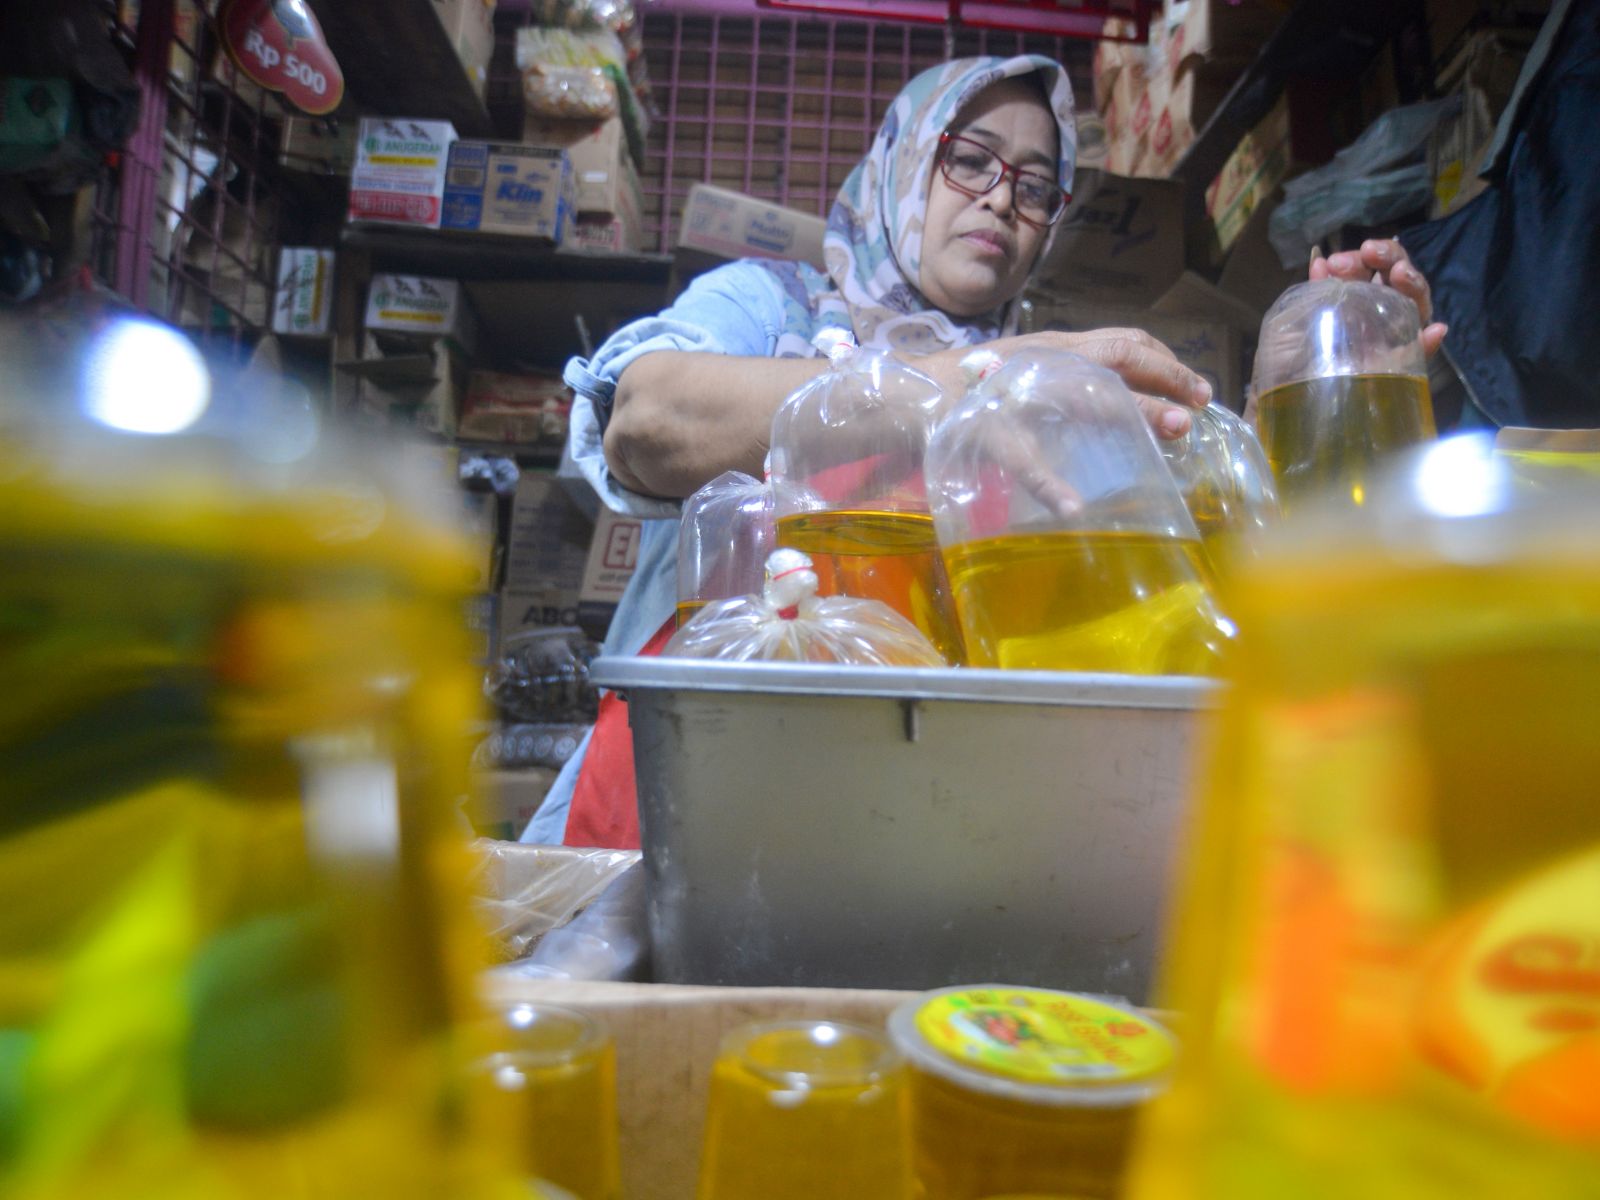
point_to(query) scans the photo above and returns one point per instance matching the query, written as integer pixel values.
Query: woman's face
(976, 252)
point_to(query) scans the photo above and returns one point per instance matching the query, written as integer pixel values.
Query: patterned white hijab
(873, 246)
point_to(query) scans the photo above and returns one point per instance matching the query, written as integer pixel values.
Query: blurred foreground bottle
(230, 744)
(1388, 943)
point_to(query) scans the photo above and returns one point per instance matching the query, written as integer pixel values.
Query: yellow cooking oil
(687, 609)
(878, 555)
(1133, 603)
(1325, 435)
(231, 939)
(1387, 947)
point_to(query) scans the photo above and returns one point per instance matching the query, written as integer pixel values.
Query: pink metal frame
(782, 107)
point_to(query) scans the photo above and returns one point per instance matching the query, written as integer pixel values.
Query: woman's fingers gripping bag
(1066, 541)
(848, 485)
(789, 622)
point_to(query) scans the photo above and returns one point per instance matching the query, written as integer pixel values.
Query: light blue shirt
(737, 309)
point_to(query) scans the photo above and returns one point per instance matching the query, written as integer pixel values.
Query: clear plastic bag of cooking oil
(847, 480)
(724, 537)
(233, 924)
(789, 622)
(1340, 384)
(1546, 457)
(1386, 941)
(1066, 543)
(1226, 483)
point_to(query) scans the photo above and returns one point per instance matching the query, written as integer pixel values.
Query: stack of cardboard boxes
(1156, 98)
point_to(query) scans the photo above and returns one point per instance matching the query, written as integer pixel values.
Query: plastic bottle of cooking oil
(230, 743)
(1067, 543)
(1387, 946)
(1340, 385)
(848, 486)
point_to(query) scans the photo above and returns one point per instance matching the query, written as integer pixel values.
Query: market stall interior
(1131, 737)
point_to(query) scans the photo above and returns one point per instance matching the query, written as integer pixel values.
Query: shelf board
(481, 258)
(1316, 38)
(397, 61)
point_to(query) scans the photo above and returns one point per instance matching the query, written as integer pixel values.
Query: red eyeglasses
(973, 168)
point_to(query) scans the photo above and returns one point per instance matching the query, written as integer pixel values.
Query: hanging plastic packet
(1226, 482)
(724, 538)
(1067, 544)
(789, 622)
(847, 451)
(1340, 384)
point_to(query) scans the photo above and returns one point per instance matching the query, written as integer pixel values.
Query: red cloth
(605, 803)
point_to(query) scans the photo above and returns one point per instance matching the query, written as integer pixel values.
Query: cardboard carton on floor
(547, 548)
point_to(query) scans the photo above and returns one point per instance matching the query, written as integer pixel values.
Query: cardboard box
(409, 381)
(667, 1037)
(1252, 273)
(304, 303)
(515, 409)
(312, 145)
(501, 803)
(1219, 30)
(508, 188)
(1252, 173)
(730, 225)
(1120, 241)
(613, 555)
(418, 304)
(606, 235)
(469, 27)
(399, 172)
(604, 179)
(547, 549)
(1209, 348)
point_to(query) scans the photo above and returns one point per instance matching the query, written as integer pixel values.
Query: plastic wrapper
(1376, 178)
(724, 537)
(1067, 543)
(527, 744)
(789, 622)
(1226, 482)
(848, 488)
(542, 676)
(570, 93)
(619, 16)
(522, 892)
(608, 940)
(1340, 384)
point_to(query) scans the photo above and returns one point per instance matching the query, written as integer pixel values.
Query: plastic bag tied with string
(789, 622)
(1226, 483)
(1067, 544)
(1340, 384)
(847, 451)
(724, 537)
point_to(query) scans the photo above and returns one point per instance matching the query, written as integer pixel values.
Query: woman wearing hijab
(929, 244)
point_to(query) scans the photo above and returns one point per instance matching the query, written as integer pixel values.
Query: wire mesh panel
(782, 108)
(186, 224)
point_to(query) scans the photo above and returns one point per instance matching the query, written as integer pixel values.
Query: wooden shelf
(398, 62)
(482, 257)
(1322, 38)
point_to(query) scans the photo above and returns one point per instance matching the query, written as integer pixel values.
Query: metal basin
(817, 825)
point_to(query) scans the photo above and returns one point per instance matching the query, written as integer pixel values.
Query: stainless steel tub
(858, 826)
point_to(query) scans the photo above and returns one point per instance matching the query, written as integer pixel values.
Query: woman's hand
(1385, 261)
(1162, 385)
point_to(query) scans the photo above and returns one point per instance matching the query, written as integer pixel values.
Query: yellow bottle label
(1510, 1004)
(1044, 1037)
